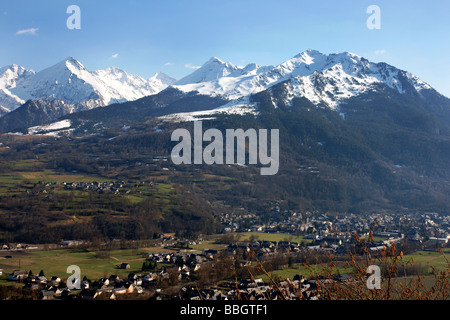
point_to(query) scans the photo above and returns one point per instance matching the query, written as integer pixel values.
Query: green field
(426, 259)
(290, 272)
(430, 258)
(275, 237)
(208, 244)
(55, 262)
(211, 241)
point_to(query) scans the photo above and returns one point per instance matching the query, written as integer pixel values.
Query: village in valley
(187, 269)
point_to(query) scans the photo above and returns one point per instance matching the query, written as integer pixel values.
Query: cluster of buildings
(143, 284)
(114, 187)
(327, 232)
(298, 288)
(146, 286)
(426, 228)
(106, 288)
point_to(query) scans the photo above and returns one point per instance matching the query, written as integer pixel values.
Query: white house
(441, 241)
(55, 281)
(84, 285)
(17, 275)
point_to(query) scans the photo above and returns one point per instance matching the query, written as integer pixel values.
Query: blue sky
(174, 36)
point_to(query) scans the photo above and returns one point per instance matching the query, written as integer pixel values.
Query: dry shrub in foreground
(395, 283)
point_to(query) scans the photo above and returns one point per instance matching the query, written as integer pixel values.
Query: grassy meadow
(93, 265)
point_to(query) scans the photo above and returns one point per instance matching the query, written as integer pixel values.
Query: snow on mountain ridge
(10, 77)
(120, 86)
(163, 78)
(319, 77)
(312, 74)
(213, 69)
(69, 80)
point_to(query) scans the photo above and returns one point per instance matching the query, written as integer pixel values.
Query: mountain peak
(213, 60)
(313, 52)
(309, 53)
(250, 67)
(115, 70)
(72, 60)
(212, 69)
(70, 81)
(163, 78)
(12, 67)
(321, 78)
(69, 63)
(14, 71)
(351, 54)
(345, 56)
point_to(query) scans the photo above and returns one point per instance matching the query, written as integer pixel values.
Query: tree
(290, 261)
(148, 265)
(173, 276)
(179, 261)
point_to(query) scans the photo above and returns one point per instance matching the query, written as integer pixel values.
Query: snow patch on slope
(51, 127)
(239, 106)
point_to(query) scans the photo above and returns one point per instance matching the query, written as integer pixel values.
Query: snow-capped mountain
(68, 81)
(10, 77)
(72, 83)
(212, 70)
(319, 77)
(324, 79)
(120, 86)
(160, 81)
